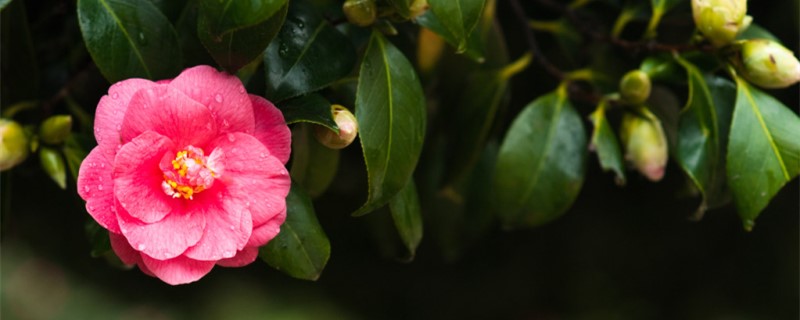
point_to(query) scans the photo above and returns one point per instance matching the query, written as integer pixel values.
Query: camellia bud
(767, 63)
(348, 129)
(13, 144)
(635, 87)
(360, 12)
(720, 20)
(56, 129)
(645, 143)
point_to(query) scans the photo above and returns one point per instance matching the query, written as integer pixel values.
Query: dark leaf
(311, 108)
(313, 165)
(605, 143)
(407, 217)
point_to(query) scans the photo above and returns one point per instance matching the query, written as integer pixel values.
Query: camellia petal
(242, 258)
(97, 187)
(180, 270)
(111, 110)
(164, 239)
(267, 231)
(170, 113)
(222, 93)
(228, 226)
(271, 128)
(138, 178)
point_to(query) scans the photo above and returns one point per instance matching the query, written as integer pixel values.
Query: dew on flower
(114, 95)
(218, 98)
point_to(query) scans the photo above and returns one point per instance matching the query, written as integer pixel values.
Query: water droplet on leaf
(142, 39)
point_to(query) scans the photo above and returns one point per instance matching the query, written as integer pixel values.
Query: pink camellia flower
(188, 173)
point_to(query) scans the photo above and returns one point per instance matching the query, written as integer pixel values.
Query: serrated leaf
(390, 108)
(541, 164)
(407, 217)
(605, 143)
(459, 17)
(702, 134)
(307, 55)
(311, 108)
(235, 49)
(53, 164)
(301, 249)
(763, 150)
(313, 165)
(226, 16)
(129, 39)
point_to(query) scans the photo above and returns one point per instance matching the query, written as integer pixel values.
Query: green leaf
(234, 49)
(313, 165)
(403, 7)
(301, 249)
(605, 143)
(755, 31)
(763, 150)
(459, 17)
(74, 153)
(390, 108)
(53, 164)
(407, 217)
(193, 51)
(170, 8)
(702, 134)
(4, 3)
(541, 164)
(473, 118)
(129, 39)
(307, 55)
(311, 108)
(474, 47)
(98, 236)
(226, 16)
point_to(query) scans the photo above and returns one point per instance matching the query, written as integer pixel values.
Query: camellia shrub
(200, 132)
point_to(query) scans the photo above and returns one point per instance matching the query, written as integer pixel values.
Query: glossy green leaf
(307, 55)
(301, 249)
(53, 164)
(170, 8)
(459, 17)
(605, 143)
(193, 51)
(475, 113)
(129, 39)
(311, 108)
(391, 113)
(474, 47)
(702, 134)
(235, 49)
(407, 216)
(226, 16)
(763, 150)
(313, 165)
(541, 164)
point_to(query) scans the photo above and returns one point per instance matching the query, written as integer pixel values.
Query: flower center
(191, 173)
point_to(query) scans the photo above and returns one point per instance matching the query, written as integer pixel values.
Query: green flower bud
(13, 144)
(635, 87)
(348, 129)
(645, 143)
(720, 20)
(360, 12)
(56, 129)
(767, 63)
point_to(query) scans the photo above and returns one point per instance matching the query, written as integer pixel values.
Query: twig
(532, 43)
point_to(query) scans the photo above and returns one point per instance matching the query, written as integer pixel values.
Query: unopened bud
(348, 129)
(360, 12)
(13, 144)
(645, 143)
(56, 129)
(720, 20)
(635, 87)
(767, 63)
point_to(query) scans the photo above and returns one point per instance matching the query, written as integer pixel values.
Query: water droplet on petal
(141, 247)
(218, 98)
(233, 228)
(225, 124)
(231, 137)
(227, 254)
(102, 165)
(247, 204)
(86, 188)
(263, 155)
(241, 89)
(119, 127)
(100, 187)
(114, 95)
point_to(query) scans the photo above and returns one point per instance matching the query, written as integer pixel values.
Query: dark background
(619, 253)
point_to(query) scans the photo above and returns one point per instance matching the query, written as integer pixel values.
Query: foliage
(429, 84)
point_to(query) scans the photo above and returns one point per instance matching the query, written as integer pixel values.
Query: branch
(540, 58)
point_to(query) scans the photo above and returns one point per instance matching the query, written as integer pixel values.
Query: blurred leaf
(666, 107)
(763, 150)
(193, 52)
(129, 39)
(226, 16)
(755, 31)
(311, 108)
(74, 153)
(474, 48)
(313, 165)
(53, 165)
(98, 238)
(4, 3)
(407, 217)
(307, 55)
(235, 48)
(605, 143)
(475, 115)
(403, 7)
(660, 7)
(18, 68)
(170, 8)
(702, 134)
(541, 164)
(459, 17)
(390, 108)
(301, 249)
(663, 68)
